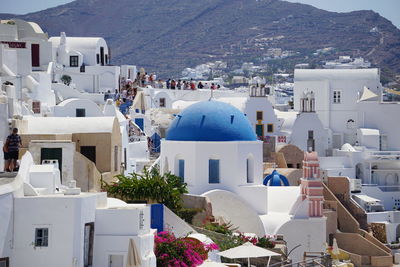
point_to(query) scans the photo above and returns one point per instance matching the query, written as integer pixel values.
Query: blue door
(156, 143)
(140, 122)
(157, 217)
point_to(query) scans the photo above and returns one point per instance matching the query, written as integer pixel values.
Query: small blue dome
(275, 179)
(211, 121)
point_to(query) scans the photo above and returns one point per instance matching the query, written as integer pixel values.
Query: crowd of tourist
(125, 96)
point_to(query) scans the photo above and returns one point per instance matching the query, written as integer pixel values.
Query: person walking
(6, 158)
(13, 144)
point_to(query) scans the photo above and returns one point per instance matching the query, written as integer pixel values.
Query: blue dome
(275, 179)
(211, 121)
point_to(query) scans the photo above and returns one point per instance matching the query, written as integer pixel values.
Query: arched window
(213, 171)
(165, 167)
(180, 167)
(250, 169)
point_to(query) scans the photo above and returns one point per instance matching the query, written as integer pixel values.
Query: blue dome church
(211, 145)
(211, 121)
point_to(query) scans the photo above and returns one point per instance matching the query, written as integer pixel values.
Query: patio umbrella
(208, 263)
(133, 259)
(335, 249)
(248, 250)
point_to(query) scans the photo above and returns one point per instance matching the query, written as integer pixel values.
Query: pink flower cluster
(180, 252)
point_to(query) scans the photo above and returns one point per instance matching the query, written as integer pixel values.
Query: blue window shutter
(213, 171)
(182, 169)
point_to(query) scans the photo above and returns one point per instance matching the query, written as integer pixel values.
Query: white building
(308, 133)
(336, 91)
(86, 60)
(42, 226)
(346, 62)
(26, 67)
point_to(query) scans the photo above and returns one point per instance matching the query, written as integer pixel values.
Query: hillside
(168, 35)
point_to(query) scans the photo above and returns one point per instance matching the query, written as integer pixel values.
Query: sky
(389, 9)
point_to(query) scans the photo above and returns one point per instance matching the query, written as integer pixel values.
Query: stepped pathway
(364, 249)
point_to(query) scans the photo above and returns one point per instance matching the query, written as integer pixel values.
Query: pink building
(311, 184)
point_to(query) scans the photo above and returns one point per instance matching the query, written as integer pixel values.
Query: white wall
(232, 167)
(6, 223)
(226, 205)
(309, 122)
(384, 117)
(68, 108)
(323, 83)
(387, 198)
(67, 92)
(64, 216)
(254, 104)
(95, 79)
(309, 233)
(114, 228)
(68, 150)
(128, 72)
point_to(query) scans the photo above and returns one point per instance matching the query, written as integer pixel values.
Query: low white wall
(107, 245)
(175, 224)
(129, 221)
(65, 218)
(68, 108)
(309, 233)
(282, 198)
(235, 210)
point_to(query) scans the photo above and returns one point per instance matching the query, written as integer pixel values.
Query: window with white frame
(337, 96)
(41, 237)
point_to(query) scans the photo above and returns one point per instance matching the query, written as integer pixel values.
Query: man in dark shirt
(13, 144)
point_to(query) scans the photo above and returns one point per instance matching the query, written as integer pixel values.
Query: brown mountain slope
(168, 35)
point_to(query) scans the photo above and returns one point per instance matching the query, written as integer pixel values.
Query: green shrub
(224, 228)
(187, 214)
(149, 186)
(66, 79)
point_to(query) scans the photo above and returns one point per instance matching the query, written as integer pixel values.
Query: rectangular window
(80, 112)
(35, 50)
(310, 134)
(162, 102)
(4, 262)
(337, 97)
(36, 107)
(88, 245)
(98, 58)
(41, 237)
(73, 61)
(181, 171)
(270, 128)
(259, 115)
(213, 171)
(249, 171)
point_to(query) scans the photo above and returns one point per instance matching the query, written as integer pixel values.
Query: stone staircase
(363, 248)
